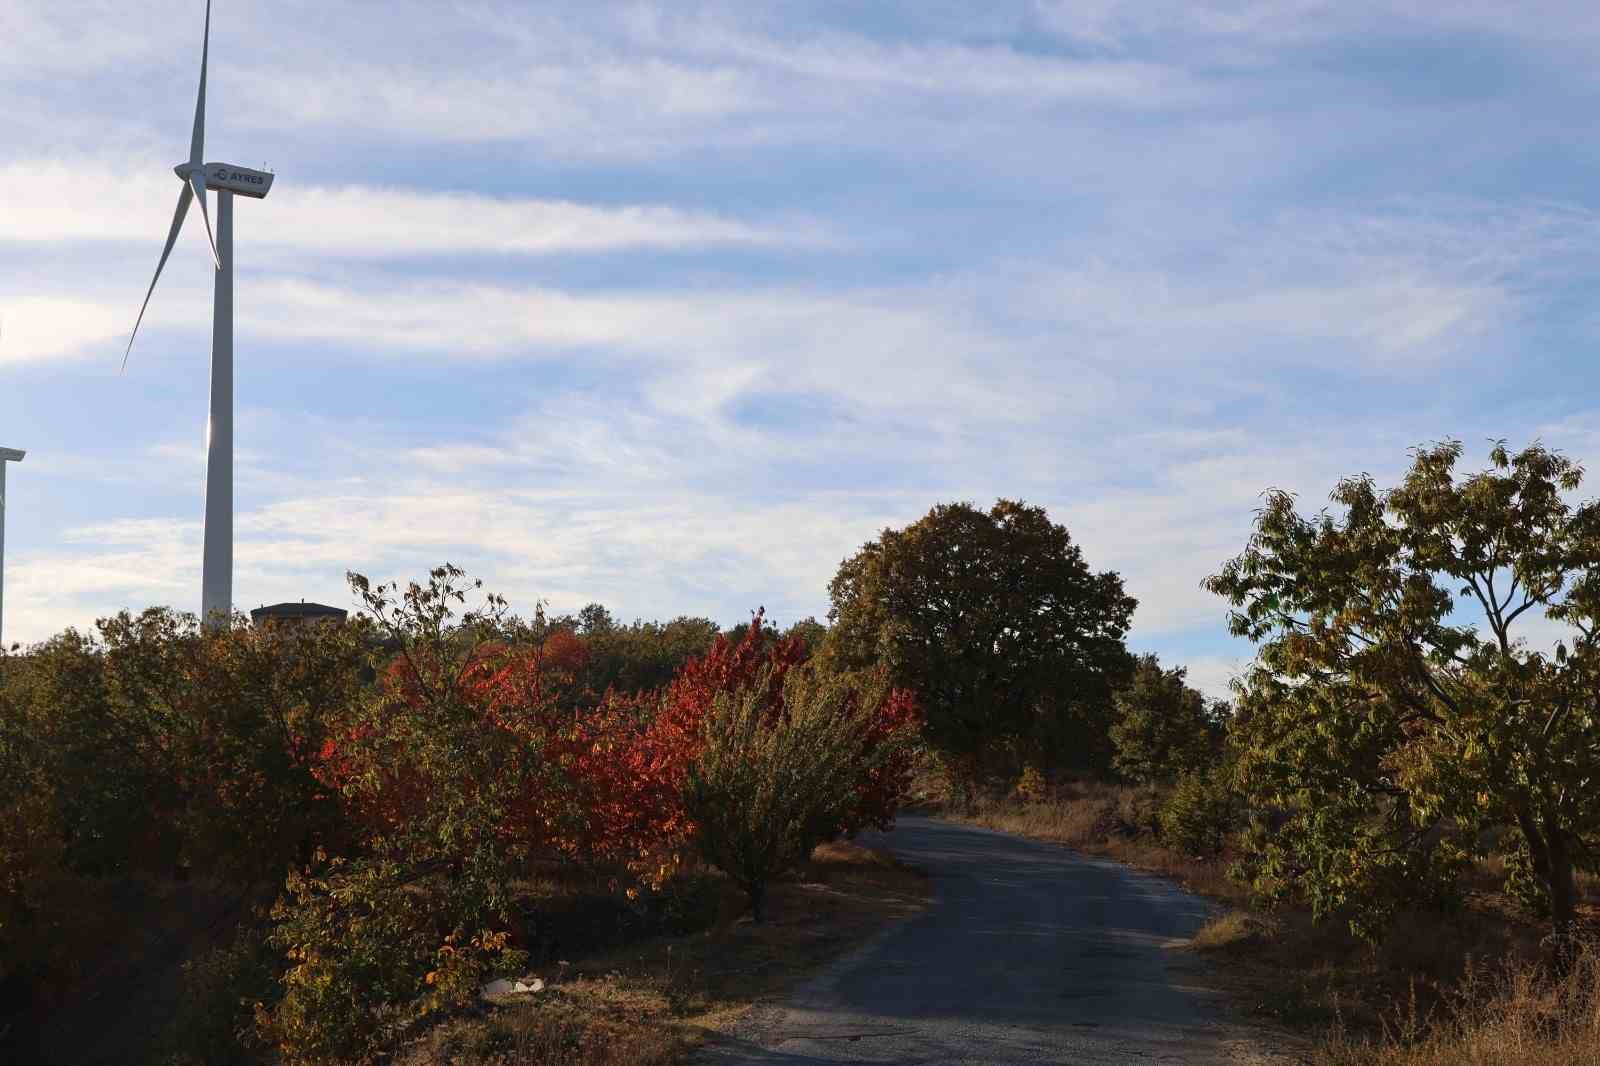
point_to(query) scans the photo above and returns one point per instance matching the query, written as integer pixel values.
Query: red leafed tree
(726, 668)
(563, 660)
(382, 751)
(618, 796)
(898, 715)
(730, 666)
(594, 779)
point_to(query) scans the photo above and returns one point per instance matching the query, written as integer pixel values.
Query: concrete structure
(297, 614)
(7, 455)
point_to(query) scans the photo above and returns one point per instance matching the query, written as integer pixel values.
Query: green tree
(1163, 728)
(643, 655)
(154, 748)
(997, 622)
(1200, 812)
(593, 619)
(1393, 712)
(809, 632)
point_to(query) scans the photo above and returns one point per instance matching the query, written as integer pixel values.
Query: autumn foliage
(610, 769)
(398, 777)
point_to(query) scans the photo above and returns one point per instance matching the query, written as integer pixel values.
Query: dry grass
(1104, 819)
(649, 1003)
(1285, 968)
(1233, 930)
(1513, 1015)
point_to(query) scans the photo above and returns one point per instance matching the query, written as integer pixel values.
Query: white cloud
(50, 201)
(1211, 673)
(44, 327)
(855, 63)
(654, 555)
(1060, 270)
(590, 81)
(893, 349)
(1252, 30)
(51, 590)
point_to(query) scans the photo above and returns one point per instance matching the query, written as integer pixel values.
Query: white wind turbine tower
(7, 455)
(216, 575)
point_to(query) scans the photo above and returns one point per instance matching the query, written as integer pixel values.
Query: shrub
(151, 748)
(607, 790)
(214, 1017)
(165, 746)
(1031, 787)
(364, 939)
(1200, 814)
(774, 781)
(1163, 728)
(432, 777)
(36, 889)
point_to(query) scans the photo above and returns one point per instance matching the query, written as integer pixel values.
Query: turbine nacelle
(229, 178)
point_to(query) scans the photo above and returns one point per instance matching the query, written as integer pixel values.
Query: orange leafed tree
(611, 769)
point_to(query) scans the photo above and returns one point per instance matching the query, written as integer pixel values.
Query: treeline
(603, 653)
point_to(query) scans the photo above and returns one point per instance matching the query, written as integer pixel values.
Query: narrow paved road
(1030, 953)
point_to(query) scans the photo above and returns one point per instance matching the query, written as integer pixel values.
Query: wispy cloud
(674, 305)
(55, 200)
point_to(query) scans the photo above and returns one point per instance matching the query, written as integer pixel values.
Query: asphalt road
(1030, 953)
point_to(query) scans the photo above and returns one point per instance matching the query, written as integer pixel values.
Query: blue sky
(672, 306)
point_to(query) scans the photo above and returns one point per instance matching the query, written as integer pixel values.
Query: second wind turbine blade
(197, 182)
(172, 238)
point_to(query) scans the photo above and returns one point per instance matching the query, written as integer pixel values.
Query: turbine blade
(197, 141)
(197, 181)
(172, 238)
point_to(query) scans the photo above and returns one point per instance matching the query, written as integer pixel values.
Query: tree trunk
(758, 901)
(1551, 855)
(1563, 898)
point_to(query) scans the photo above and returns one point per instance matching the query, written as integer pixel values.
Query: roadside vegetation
(349, 831)
(362, 826)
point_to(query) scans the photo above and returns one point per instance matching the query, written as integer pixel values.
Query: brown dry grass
(1104, 819)
(649, 1003)
(1513, 1015)
(1232, 929)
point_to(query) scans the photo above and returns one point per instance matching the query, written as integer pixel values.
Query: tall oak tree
(996, 621)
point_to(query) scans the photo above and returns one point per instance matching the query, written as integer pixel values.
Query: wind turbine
(7, 455)
(216, 573)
